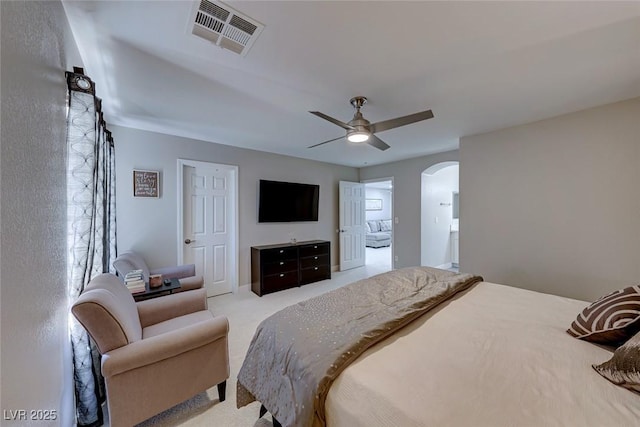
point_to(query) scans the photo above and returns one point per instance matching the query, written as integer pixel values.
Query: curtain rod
(79, 82)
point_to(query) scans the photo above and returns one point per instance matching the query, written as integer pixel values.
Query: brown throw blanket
(296, 353)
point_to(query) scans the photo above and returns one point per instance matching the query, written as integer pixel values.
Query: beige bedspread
(493, 356)
(297, 353)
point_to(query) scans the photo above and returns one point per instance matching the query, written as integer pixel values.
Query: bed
(489, 355)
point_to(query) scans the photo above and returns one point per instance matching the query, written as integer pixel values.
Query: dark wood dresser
(283, 266)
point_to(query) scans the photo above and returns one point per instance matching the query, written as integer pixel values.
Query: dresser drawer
(279, 267)
(277, 282)
(314, 261)
(279, 254)
(314, 274)
(314, 249)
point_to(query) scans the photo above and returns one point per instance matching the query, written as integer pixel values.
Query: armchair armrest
(155, 349)
(177, 272)
(158, 310)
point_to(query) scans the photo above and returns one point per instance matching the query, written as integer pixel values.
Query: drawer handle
(316, 268)
(281, 263)
(315, 257)
(281, 251)
(315, 247)
(281, 274)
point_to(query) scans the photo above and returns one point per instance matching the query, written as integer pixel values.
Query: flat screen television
(287, 202)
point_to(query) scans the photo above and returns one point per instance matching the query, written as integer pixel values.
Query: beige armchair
(130, 260)
(155, 353)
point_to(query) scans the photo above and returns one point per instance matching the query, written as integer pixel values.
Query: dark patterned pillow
(623, 368)
(611, 320)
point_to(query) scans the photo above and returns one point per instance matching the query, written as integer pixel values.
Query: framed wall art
(373, 204)
(146, 183)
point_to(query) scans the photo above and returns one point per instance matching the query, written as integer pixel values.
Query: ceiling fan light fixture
(358, 136)
(360, 130)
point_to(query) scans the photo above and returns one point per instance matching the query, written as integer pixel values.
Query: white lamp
(358, 136)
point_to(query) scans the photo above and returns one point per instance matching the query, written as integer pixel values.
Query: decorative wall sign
(373, 204)
(146, 183)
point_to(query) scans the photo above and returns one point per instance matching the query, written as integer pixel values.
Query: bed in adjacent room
(487, 355)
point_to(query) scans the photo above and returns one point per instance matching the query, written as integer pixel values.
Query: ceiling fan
(360, 130)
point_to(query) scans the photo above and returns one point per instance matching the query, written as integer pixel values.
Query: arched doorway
(438, 216)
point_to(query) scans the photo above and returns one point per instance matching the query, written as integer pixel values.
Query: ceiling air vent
(225, 27)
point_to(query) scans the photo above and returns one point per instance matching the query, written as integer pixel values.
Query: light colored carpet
(245, 311)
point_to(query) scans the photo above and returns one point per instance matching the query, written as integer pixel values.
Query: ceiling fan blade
(400, 121)
(326, 142)
(332, 120)
(377, 142)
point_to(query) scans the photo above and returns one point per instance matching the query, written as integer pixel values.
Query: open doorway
(379, 224)
(439, 216)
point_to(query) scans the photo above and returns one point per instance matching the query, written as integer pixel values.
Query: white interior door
(352, 217)
(208, 226)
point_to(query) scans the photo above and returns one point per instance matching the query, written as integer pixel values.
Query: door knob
(188, 241)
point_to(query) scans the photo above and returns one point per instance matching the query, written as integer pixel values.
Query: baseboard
(444, 266)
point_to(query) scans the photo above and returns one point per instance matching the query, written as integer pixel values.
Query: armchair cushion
(176, 323)
(158, 310)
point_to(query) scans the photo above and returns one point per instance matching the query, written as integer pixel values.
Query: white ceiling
(479, 66)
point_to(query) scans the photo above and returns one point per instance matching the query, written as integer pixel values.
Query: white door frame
(432, 170)
(234, 272)
(394, 220)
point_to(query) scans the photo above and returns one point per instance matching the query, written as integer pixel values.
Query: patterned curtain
(91, 228)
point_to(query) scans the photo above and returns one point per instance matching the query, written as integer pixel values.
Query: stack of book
(134, 281)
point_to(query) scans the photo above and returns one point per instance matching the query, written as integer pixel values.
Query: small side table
(157, 292)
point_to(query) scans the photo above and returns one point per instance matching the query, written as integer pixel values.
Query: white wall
(437, 219)
(37, 48)
(150, 225)
(406, 199)
(554, 206)
(385, 196)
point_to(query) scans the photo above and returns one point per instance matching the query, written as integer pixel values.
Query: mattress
(492, 356)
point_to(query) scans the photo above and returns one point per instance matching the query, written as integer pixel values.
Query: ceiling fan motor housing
(358, 101)
(360, 132)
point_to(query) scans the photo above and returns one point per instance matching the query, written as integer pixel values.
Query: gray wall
(406, 199)
(150, 225)
(554, 206)
(385, 196)
(37, 48)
